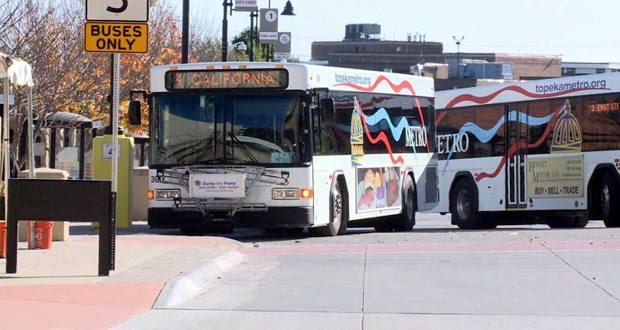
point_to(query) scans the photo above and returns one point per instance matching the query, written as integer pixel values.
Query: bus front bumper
(273, 217)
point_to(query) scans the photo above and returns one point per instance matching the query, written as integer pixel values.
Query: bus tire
(406, 220)
(335, 214)
(464, 206)
(578, 220)
(609, 191)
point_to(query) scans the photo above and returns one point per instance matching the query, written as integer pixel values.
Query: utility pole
(225, 4)
(458, 55)
(185, 38)
(253, 33)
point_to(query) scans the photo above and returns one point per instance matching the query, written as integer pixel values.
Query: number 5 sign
(117, 10)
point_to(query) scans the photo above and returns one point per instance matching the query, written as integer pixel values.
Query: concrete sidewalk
(59, 288)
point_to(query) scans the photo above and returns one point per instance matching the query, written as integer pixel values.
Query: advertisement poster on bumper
(378, 188)
(217, 185)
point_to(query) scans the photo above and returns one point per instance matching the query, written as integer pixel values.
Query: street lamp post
(185, 38)
(226, 4)
(288, 9)
(458, 55)
(253, 34)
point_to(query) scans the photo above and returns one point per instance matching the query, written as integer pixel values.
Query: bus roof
(306, 77)
(530, 90)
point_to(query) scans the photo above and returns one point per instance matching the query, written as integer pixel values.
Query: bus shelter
(67, 120)
(14, 73)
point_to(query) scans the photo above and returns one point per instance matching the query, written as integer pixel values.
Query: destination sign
(605, 107)
(225, 79)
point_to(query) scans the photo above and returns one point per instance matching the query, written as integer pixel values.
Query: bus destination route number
(105, 37)
(558, 177)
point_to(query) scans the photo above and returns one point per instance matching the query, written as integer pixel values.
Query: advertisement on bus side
(557, 177)
(378, 188)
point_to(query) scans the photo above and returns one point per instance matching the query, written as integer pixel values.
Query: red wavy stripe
(396, 88)
(517, 89)
(382, 138)
(440, 118)
(405, 85)
(516, 147)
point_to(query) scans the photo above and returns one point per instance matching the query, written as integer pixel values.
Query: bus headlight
(167, 194)
(285, 193)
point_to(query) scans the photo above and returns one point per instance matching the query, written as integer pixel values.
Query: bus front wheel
(464, 207)
(609, 192)
(336, 219)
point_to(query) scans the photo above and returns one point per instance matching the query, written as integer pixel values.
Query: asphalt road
(436, 277)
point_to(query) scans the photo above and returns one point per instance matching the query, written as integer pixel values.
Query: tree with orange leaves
(49, 35)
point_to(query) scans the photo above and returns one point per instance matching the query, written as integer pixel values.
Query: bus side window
(324, 123)
(600, 122)
(316, 130)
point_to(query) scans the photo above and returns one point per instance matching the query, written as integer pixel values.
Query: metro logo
(116, 37)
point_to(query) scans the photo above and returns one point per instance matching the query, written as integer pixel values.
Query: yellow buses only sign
(113, 37)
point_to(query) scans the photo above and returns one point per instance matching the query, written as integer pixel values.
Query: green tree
(259, 54)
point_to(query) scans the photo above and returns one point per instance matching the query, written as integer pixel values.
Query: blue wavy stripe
(485, 136)
(397, 131)
(381, 114)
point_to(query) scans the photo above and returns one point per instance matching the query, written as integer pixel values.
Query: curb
(185, 287)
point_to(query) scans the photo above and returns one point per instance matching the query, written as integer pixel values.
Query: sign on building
(109, 37)
(117, 10)
(246, 5)
(283, 45)
(268, 26)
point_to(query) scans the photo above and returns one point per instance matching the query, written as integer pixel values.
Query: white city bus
(544, 151)
(289, 146)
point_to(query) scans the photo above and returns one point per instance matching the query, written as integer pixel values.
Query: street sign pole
(130, 19)
(115, 113)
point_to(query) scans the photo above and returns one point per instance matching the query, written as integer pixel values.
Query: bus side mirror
(135, 113)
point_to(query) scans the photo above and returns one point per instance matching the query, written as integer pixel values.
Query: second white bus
(544, 151)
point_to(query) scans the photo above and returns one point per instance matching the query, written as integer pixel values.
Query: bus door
(516, 156)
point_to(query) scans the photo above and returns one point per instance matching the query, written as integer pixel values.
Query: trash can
(60, 230)
(43, 233)
(2, 239)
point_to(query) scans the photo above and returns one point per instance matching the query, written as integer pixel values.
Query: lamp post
(288, 9)
(185, 39)
(253, 33)
(458, 55)
(226, 4)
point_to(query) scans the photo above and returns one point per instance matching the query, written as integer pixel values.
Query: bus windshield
(202, 129)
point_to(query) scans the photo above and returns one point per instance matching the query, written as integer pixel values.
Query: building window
(569, 71)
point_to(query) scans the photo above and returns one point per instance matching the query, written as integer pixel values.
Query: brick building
(362, 48)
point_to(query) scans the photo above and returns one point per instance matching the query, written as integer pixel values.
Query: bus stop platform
(59, 288)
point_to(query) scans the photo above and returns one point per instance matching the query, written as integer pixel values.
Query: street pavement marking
(531, 245)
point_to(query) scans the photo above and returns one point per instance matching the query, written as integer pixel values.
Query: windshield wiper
(235, 139)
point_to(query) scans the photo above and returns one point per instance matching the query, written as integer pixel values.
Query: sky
(576, 29)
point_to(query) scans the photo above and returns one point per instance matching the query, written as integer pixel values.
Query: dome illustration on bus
(567, 137)
(357, 134)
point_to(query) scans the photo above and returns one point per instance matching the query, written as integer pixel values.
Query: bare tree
(49, 35)
(205, 45)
